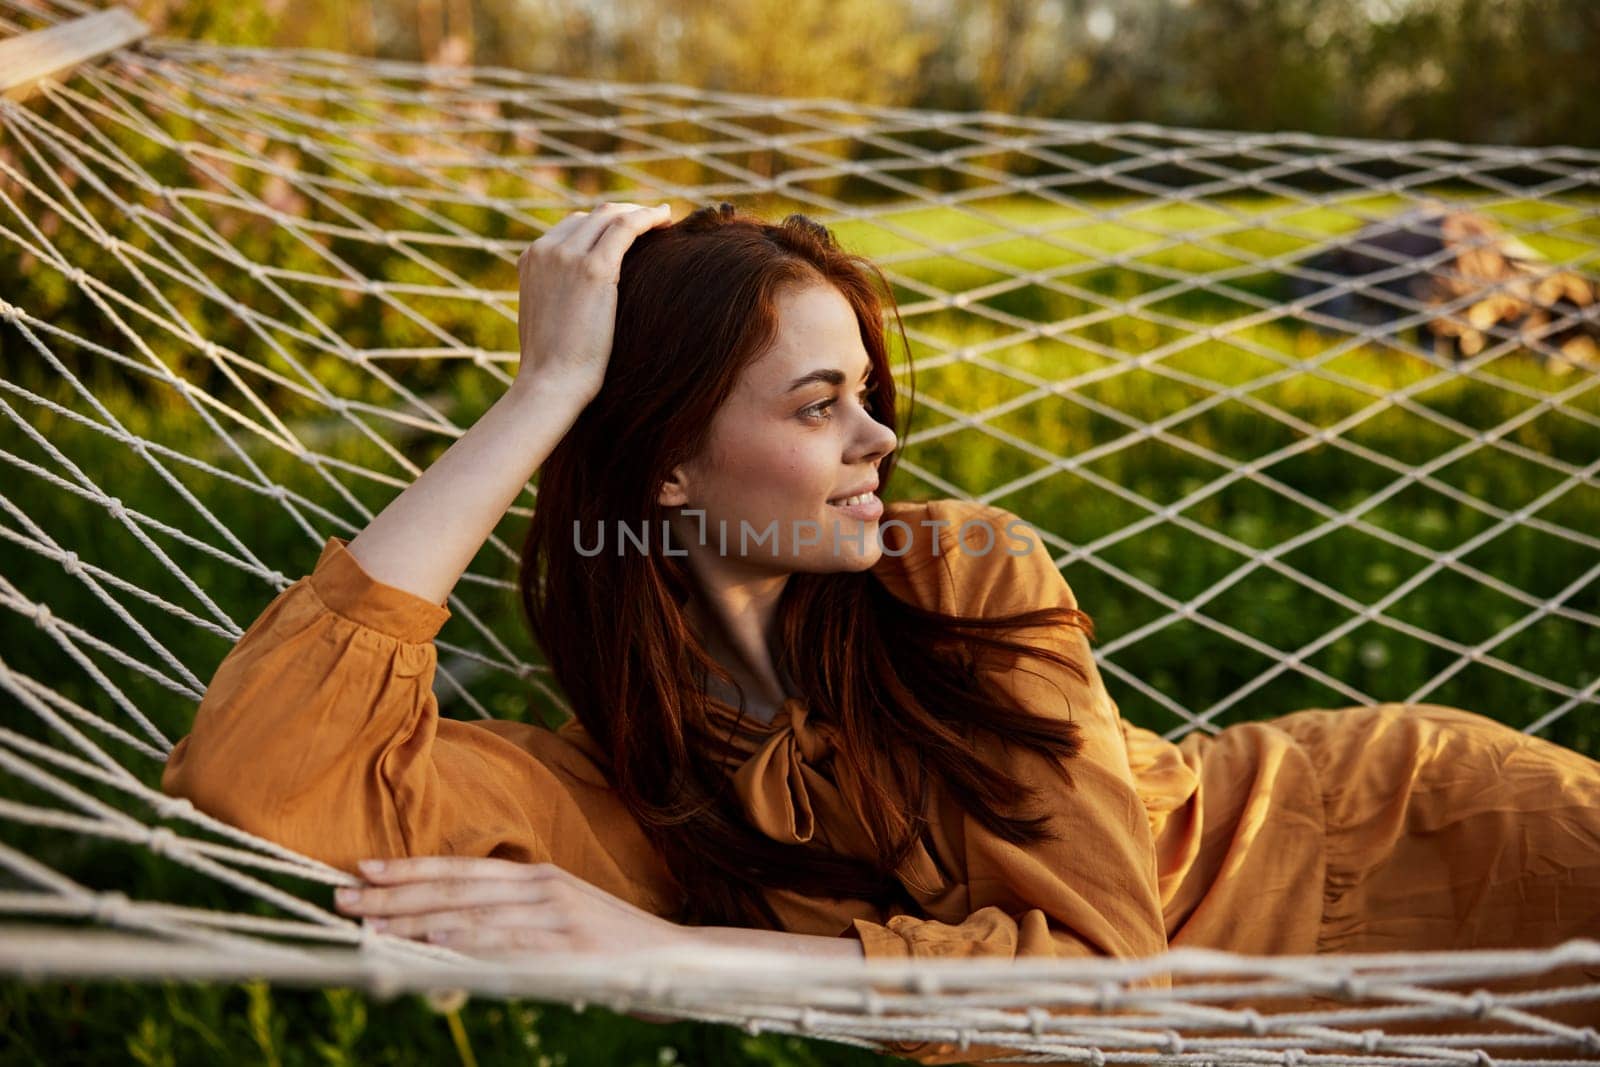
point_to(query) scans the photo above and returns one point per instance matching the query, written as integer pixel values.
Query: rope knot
(162, 841)
(41, 615)
(1352, 988)
(173, 807)
(1293, 1057)
(1036, 1018)
(1097, 1057)
(1174, 1042)
(1481, 1003)
(1107, 996)
(114, 506)
(112, 908)
(1590, 1039)
(1254, 1022)
(1371, 1039)
(71, 564)
(9, 312)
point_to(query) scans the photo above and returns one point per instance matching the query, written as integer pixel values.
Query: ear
(674, 492)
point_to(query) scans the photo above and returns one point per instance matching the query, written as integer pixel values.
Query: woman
(807, 719)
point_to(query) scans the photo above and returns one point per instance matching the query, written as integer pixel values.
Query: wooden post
(27, 60)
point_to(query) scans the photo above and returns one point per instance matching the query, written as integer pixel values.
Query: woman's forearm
(813, 945)
(425, 538)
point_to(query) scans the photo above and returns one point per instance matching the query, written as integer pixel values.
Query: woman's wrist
(564, 394)
(809, 945)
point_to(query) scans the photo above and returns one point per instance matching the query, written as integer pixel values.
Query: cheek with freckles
(761, 481)
(747, 478)
(773, 478)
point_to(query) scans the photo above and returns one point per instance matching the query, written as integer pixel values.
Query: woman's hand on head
(492, 907)
(567, 299)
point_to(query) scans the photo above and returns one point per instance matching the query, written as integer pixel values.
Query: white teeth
(848, 501)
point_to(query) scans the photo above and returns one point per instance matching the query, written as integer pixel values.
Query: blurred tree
(862, 52)
(1505, 71)
(1514, 71)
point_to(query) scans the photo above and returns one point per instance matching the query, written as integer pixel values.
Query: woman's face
(795, 437)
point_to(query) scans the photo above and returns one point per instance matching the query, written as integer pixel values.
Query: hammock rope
(409, 190)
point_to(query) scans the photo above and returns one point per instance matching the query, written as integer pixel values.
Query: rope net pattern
(1308, 421)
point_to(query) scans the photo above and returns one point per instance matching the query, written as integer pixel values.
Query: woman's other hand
(491, 907)
(567, 300)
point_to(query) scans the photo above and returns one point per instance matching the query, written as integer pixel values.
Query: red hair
(696, 305)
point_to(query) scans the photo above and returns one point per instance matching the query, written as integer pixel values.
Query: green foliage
(1480, 71)
(113, 1023)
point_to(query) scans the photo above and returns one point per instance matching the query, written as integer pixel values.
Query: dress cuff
(346, 589)
(879, 942)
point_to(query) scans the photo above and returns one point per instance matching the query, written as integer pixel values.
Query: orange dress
(1363, 829)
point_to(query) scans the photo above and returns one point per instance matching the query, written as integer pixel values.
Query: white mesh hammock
(184, 428)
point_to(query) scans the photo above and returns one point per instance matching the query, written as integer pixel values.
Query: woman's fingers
(584, 236)
(391, 872)
(496, 941)
(558, 232)
(502, 917)
(567, 297)
(432, 868)
(593, 223)
(411, 898)
(620, 234)
(479, 904)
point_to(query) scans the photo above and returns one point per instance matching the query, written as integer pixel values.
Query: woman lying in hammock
(812, 720)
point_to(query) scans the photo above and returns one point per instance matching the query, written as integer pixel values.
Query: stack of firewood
(1488, 287)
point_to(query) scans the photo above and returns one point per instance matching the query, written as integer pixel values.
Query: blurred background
(1486, 71)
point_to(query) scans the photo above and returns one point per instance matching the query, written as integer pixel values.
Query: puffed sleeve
(1093, 892)
(320, 731)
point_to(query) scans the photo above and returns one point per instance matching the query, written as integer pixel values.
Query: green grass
(179, 1024)
(1084, 501)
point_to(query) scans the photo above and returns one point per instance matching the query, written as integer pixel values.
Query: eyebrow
(828, 375)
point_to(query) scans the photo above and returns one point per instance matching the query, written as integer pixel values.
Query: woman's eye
(819, 410)
(816, 411)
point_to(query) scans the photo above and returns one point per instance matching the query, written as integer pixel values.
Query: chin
(850, 562)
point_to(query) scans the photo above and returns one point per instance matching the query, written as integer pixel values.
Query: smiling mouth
(847, 501)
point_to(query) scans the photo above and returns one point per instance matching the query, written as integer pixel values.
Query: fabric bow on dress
(793, 790)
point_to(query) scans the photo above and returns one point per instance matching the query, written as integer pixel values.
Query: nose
(873, 441)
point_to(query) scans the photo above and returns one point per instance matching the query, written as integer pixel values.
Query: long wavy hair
(696, 305)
